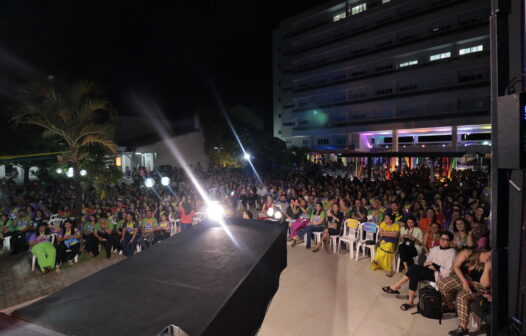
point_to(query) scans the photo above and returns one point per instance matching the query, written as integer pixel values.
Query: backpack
(429, 303)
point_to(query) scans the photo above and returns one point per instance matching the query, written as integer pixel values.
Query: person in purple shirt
(43, 249)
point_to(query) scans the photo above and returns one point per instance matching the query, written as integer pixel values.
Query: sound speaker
(511, 133)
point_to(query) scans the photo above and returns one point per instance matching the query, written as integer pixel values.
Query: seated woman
(68, 244)
(269, 203)
(432, 238)
(163, 229)
(301, 213)
(462, 238)
(316, 224)
(437, 266)
(88, 230)
(385, 252)
(104, 236)
(43, 249)
(334, 226)
(130, 235)
(411, 241)
(5, 226)
(471, 280)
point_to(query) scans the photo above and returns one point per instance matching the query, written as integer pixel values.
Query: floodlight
(149, 182)
(270, 212)
(165, 181)
(70, 173)
(247, 156)
(59, 170)
(278, 215)
(215, 211)
(83, 172)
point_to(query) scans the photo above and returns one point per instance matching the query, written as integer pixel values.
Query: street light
(83, 172)
(70, 173)
(149, 182)
(59, 170)
(165, 181)
(247, 156)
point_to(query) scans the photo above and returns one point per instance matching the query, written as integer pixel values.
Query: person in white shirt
(438, 265)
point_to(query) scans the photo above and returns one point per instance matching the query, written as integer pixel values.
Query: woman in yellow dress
(385, 252)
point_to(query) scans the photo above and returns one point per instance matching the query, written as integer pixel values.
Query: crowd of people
(437, 226)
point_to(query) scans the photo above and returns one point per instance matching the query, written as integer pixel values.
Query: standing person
(104, 236)
(43, 249)
(187, 214)
(68, 244)
(130, 235)
(334, 226)
(385, 252)
(316, 224)
(437, 266)
(411, 242)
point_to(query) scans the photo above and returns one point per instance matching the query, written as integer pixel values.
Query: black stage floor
(202, 280)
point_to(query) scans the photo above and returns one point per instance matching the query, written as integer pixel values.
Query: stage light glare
(270, 212)
(59, 170)
(149, 182)
(83, 172)
(215, 211)
(70, 173)
(165, 181)
(247, 156)
(278, 215)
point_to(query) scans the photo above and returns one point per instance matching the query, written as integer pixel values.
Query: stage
(204, 280)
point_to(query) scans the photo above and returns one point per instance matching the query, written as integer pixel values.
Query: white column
(454, 137)
(395, 140)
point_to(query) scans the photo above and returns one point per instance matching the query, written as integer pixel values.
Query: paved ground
(18, 284)
(330, 295)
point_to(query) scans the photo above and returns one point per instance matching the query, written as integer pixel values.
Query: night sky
(165, 52)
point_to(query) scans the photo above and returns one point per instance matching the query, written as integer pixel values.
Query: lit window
(408, 63)
(440, 56)
(470, 50)
(385, 1)
(359, 9)
(339, 16)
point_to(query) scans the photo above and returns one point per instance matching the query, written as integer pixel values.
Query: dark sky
(151, 48)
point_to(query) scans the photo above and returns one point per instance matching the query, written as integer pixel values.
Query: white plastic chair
(54, 216)
(174, 227)
(7, 243)
(351, 227)
(370, 231)
(399, 261)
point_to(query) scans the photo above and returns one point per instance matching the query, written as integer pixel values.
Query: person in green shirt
(6, 225)
(91, 243)
(148, 227)
(376, 213)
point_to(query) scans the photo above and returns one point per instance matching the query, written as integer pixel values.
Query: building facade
(384, 74)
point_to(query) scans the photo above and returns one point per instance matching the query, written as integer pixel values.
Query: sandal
(406, 306)
(316, 249)
(389, 290)
(389, 274)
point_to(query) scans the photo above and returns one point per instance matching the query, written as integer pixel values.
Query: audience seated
(437, 266)
(42, 247)
(471, 279)
(68, 244)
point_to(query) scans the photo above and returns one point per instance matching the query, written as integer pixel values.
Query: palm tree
(78, 114)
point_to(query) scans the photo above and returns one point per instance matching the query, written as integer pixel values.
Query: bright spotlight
(70, 173)
(247, 156)
(149, 182)
(59, 170)
(270, 212)
(83, 172)
(278, 215)
(165, 181)
(215, 211)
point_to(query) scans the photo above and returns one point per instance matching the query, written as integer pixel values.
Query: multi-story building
(371, 74)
